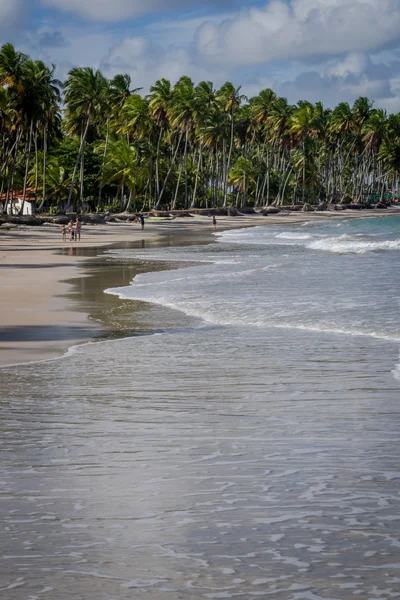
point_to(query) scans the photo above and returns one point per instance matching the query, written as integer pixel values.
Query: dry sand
(36, 320)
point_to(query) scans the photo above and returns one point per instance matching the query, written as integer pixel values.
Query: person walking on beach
(71, 230)
(214, 222)
(78, 228)
(141, 220)
(63, 233)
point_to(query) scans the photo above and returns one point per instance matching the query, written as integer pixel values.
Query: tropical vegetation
(95, 144)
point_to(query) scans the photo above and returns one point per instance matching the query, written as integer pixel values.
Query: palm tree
(343, 131)
(281, 113)
(57, 180)
(116, 93)
(262, 109)
(12, 65)
(139, 127)
(85, 97)
(361, 111)
(217, 131)
(40, 105)
(12, 68)
(120, 168)
(229, 99)
(241, 175)
(159, 102)
(209, 143)
(120, 90)
(183, 113)
(205, 101)
(135, 117)
(303, 127)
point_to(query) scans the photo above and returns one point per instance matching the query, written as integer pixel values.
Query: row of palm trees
(183, 145)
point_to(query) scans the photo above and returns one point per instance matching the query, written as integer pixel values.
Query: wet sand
(39, 315)
(45, 309)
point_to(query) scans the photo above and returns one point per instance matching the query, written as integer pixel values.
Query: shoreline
(39, 320)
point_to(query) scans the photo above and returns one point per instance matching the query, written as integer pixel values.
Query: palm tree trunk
(150, 178)
(44, 169)
(285, 184)
(221, 182)
(12, 170)
(36, 172)
(277, 200)
(185, 154)
(169, 170)
(228, 166)
(177, 186)
(82, 176)
(197, 177)
(129, 201)
(21, 212)
(8, 155)
(214, 170)
(68, 207)
(384, 183)
(157, 163)
(103, 163)
(295, 188)
(269, 154)
(304, 172)
(244, 197)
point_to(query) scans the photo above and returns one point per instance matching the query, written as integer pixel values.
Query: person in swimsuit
(63, 233)
(78, 228)
(71, 231)
(141, 219)
(214, 222)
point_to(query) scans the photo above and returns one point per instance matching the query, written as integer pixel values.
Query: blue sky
(329, 50)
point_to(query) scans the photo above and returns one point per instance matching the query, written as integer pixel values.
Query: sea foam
(345, 244)
(292, 235)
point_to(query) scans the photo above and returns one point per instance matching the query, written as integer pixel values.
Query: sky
(327, 50)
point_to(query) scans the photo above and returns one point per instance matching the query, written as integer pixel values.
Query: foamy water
(251, 453)
(247, 274)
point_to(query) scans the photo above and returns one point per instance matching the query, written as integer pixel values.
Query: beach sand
(40, 317)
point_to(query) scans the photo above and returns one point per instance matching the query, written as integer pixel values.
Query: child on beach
(71, 231)
(214, 222)
(78, 228)
(63, 233)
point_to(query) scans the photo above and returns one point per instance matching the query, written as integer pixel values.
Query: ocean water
(250, 448)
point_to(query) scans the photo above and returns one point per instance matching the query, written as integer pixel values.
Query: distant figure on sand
(71, 231)
(63, 233)
(214, 222)
(141, 220)
(78, 228)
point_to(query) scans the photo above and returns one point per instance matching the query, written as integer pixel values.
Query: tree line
(93, 143)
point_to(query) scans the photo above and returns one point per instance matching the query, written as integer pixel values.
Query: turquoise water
(251, 450)
(334, 277)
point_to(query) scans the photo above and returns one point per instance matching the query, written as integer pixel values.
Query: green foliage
(185, 145)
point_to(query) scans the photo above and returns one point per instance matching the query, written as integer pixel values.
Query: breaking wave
(292, 235)
(345, 244)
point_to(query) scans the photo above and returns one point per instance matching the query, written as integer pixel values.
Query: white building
(15, 205)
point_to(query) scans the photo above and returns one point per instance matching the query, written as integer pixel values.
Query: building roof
(29, 196)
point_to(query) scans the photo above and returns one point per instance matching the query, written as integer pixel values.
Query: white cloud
(115, 10)
(180, 31)
(67, 46)
(353, 64)
(300, 28)
(330, 50)
(146, 62)
(346, 80)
